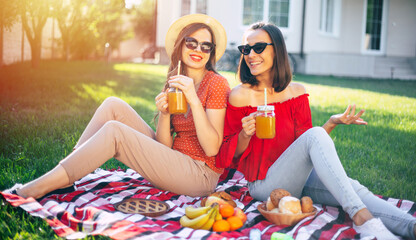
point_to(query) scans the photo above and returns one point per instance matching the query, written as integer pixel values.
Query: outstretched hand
(348, 117)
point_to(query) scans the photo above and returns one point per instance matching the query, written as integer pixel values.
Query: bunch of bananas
(201, 217)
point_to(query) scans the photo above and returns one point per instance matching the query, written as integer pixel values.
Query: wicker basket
(281, 218)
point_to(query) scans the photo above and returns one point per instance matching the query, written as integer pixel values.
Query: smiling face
(260, 64)
(196, 59)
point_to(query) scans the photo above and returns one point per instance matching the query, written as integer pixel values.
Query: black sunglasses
(192, 43)
(258, 48)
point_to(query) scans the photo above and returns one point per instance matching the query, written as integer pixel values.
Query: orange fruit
(221, 226)
(235, 222)
(226, 210)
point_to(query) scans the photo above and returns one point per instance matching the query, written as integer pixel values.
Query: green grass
(43, 112)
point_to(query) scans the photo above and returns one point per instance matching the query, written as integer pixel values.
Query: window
(275, 11)
(199, 6)
(374, 24)
(330, 16)
(279, 12)
(253, 11)
(186, 7)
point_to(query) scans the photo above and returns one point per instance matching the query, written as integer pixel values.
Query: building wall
(348, 39)
(167, 12)
(341, 54)
(344, 55)
(399, 39)
(12, 43)
(401, 33)
(230, 14)
(129, 49)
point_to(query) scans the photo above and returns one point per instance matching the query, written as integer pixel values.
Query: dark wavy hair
(177, 51)
(282, 74)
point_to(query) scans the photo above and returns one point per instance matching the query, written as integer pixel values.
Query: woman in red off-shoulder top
(300, 158)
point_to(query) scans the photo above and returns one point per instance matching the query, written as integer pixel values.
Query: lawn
(43, 112)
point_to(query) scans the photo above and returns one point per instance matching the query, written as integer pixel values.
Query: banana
(196, 222)
(218, 215)
(211, 220)
(192, 212)
(208, 224)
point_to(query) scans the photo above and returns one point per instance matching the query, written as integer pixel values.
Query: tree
(34, 14)
(108, 27)
(8, 15)
(71, 21)
(144, 24)
(86, 26)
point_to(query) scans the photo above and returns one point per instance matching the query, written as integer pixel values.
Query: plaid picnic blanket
(90, 211)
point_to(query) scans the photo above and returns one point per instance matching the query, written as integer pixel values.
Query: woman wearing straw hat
(184, 164)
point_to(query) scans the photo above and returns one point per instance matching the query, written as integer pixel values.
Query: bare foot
(362, 216)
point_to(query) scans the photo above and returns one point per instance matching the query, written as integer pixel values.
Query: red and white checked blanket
(90, 211)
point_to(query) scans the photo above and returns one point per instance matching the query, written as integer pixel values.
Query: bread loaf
(290, 205)
(223, 195)
(307, 204)
(278, 194)
(269, 205)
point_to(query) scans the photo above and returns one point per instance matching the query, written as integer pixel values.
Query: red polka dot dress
(213, 93)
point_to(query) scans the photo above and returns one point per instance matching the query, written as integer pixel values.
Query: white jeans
(311, 167)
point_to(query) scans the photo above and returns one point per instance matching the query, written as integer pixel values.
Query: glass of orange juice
(265, 122)
(176, 101)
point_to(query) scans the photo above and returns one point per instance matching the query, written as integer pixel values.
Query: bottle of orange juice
(176, 101)
(265, 122)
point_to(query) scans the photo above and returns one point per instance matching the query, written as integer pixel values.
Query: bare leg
(362, 216)
(54, 179)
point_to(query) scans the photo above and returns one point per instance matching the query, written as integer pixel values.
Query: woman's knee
(112, 126)
(360, 189)
(112, 103)
(317, 131)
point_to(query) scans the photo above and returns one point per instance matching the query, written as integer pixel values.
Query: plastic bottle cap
(255, 234)
(280, 236)
(265, 108)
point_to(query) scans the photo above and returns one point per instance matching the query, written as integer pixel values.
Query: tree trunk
(1, 37)
(67, 53)
(36, 51)
(1, 43)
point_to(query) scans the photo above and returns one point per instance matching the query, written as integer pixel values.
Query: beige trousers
(116, 130)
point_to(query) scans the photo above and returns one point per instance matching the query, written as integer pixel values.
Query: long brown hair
(177, 51)
(282, 75)
(177, 55)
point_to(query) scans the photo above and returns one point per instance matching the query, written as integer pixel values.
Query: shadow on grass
(391, 87)
(51, 105)
(78, 86)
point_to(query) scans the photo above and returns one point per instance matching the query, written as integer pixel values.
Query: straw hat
(218, 30)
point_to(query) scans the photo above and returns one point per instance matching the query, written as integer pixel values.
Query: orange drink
(265, 122)
(176, 101)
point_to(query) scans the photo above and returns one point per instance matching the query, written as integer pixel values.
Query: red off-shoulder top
(293, 118)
